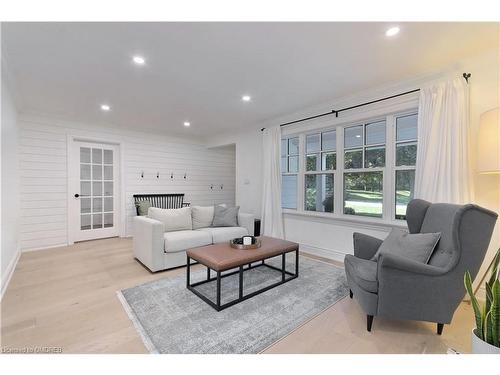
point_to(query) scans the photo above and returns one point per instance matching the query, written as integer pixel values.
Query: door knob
(77, 195)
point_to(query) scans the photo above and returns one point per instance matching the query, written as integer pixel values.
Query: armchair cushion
(417, 246)
(363, 272)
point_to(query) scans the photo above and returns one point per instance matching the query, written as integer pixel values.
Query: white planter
(482, 347)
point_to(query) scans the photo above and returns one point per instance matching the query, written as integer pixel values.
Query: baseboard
(8, 273)
(322, 252)
(44, 248)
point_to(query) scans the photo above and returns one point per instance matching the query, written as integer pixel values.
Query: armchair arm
(247, 221)
(365, 246)
(391, 261)
(149, 242)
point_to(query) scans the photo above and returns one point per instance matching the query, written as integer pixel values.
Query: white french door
(94, 204)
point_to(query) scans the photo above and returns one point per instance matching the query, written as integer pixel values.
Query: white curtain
(272, 219)
(443, 164)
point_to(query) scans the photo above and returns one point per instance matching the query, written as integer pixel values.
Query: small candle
(247, 240)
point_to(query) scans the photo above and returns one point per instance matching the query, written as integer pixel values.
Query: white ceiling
(198, 71)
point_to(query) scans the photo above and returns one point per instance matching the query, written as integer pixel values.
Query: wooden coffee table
(222, 257)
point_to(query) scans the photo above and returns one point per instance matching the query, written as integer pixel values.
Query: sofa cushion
(182, 240)
(225, 216)
(224, 234)
(203, 216)
(173, 219)
(363, 272)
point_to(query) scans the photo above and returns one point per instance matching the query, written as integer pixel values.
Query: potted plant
(486, 335)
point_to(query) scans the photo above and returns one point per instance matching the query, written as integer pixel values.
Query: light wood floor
(66, 297)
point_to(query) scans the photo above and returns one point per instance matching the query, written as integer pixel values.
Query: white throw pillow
(172, 219)
(202, 216)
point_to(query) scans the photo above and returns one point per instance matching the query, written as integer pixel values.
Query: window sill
(347, 220)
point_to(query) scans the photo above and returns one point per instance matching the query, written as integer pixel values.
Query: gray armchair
(400, 288)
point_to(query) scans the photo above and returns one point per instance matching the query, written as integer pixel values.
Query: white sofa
(159, 249)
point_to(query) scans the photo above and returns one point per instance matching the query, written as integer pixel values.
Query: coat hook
(157, 174)
(212, 187)
(185, 175)
(221, 186)
(171, 175)
(142, 174)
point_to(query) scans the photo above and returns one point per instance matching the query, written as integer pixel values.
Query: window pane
(284, 148)
(84, 189)
(284, 164)
(374, 157)
(406, 128)
(97, 205)
(293, 164)
(108, 172)
(97, 172)
(85, 205)
(406, 154)
(108, 220)
(97, 155)
(108, 156)
(289, 192)
(363, 193)
(97, 221)
(353, 136)
(313, 143)
(319, 192)
(329, 141)
(405, 182)
(84, 155)
(85, 222)
(97, 188)
(328, 161)
(353, 159)
(84, 171)
(375, 133)
(293, 146)
(108, 188)
(312, 162)
(108, 204)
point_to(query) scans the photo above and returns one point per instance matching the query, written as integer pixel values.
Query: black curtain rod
(336, 112)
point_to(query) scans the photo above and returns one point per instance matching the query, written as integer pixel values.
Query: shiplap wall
(43, 173)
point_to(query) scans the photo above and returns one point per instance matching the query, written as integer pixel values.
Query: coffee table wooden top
(222, 256)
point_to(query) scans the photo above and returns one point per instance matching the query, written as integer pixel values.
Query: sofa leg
(369, 321)
(350, 293)
(440, 328)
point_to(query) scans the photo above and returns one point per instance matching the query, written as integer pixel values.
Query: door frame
(70, 144)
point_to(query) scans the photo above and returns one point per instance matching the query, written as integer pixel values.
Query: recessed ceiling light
(187, 124)
(139, 60)
(392, 31)
(246, 98)
(105, 107)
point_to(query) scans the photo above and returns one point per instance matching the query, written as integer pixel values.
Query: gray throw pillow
(225, 216)
(143, 207)
(417, 246)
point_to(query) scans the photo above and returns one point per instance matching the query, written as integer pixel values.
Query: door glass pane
(108, 172)
(328, 161)
(406, 128)
(329, 141)
(353, 159)
(108, 204)
(405, 183)
(97, 205)
(96, 221)
(289, 191)
(108, 220)
(85, 205)
(374, 157)
(284, 148)
(313, 143)
(293, 164)
(85, 222)
(97, 172)
(97, 156)
(85, 188)
(312, 162)
(353, 136)
(363, 193)
(108, 156)
(84, 172)
(319, 192)
(96, 188)
(375, 133)
(406, 154)
(84, 155)
(108, 188)
(293, 146)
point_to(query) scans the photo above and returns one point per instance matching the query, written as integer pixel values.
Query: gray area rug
(171, 319)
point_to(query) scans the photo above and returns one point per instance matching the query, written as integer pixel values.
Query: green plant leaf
(495, 314)
(489, 296)
(475, 305)
(495, 272)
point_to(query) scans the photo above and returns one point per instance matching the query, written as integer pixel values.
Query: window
(289, 170)
(321, 162)
(364, 149)
(405, 161)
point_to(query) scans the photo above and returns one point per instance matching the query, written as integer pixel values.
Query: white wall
(43, 171)
(9, 186)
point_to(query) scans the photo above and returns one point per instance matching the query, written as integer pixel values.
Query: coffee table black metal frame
(241, 296)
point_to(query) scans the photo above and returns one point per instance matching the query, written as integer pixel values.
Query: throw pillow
(172, 219)
(143, 207)
(225, 216)
(417, 246)
(203, 216)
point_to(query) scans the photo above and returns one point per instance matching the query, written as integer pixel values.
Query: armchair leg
(440, 328)
(350, 293)
(369, 321)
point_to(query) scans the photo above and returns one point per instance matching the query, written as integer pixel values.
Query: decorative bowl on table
(245, 243)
